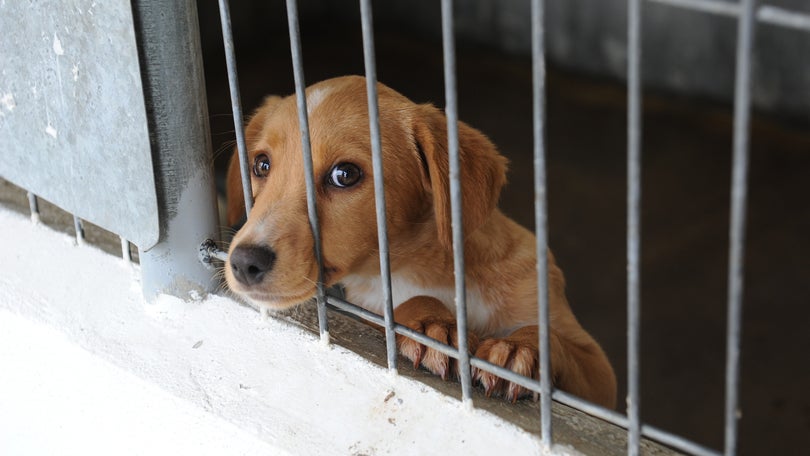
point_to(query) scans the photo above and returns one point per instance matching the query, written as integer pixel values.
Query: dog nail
(417, 359)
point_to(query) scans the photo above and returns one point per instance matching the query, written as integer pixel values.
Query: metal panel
(72, 118)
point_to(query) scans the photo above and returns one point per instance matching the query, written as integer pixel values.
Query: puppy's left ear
(483, 171)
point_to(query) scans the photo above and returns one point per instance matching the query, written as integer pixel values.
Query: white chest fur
(367, 292)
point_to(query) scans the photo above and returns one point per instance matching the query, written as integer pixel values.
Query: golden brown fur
(499, 253)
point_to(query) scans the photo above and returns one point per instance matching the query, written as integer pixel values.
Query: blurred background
(688, 68)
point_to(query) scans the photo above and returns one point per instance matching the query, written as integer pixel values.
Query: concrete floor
(686, 174)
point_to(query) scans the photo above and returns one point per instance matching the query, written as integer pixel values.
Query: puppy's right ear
(233, 182)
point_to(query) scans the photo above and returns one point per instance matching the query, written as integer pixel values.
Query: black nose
(249, 263)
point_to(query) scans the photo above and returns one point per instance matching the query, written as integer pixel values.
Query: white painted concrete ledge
(87, 367)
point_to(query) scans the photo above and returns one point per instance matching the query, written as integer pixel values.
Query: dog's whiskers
(225, 146)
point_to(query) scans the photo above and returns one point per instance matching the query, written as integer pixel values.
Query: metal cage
(161, 268)
(746, 12)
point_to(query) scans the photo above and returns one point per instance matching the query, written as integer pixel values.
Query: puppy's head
(272, 260)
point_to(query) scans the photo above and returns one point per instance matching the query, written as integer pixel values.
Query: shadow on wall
(686, 172)
(683, 50)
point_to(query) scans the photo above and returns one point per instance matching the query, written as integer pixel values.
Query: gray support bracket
(177, 113)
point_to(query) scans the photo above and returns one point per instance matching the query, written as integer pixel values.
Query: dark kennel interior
(686, 179)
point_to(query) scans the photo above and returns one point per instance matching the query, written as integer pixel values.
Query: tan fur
(499, 253)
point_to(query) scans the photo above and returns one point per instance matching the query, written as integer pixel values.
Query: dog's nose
(249, 263)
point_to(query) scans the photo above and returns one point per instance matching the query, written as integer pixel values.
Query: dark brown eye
(261, 165)
(344, 175)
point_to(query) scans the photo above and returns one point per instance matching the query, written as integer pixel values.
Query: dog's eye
(344, 175)
(261, 165)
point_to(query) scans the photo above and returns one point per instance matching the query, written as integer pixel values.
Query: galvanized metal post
(177, 112)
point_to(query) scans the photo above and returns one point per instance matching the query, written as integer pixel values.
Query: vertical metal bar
(177, 115)
(126, 254)
(306, 150)
(739, 190)
(78, 228)
(633, 223)
(33, 205)
(379, 186)
(541, 215)
(451, 110)
(236, 103)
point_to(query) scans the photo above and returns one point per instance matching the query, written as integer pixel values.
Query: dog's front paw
(431, 318)
(517, 352)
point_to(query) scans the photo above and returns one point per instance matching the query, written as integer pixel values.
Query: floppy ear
(483, 171)
(233, 182)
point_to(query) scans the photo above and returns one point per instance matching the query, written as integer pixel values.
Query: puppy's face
(272, 261)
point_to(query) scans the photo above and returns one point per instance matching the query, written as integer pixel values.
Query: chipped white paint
(7, 101)
(75, 71)
(57, 45)
(51, 131)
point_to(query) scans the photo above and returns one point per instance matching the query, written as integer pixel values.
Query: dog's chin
(276, 302)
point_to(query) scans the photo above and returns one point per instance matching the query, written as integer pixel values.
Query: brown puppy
(272, 263)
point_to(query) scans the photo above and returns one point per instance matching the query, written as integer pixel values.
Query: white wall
(87, 367)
